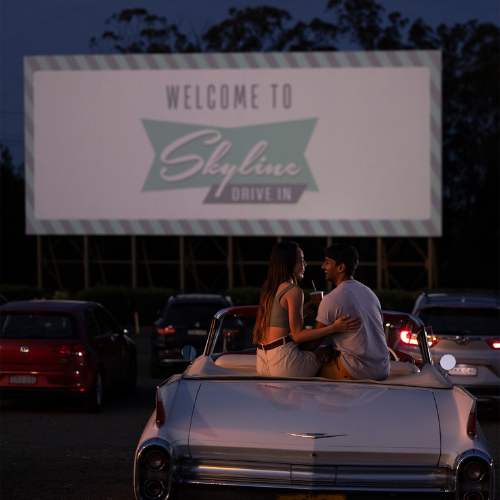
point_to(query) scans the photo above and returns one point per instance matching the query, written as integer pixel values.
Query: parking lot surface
(52, 449)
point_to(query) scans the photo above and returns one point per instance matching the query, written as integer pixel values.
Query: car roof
(458, 298)
(44, 305)
(199, 297)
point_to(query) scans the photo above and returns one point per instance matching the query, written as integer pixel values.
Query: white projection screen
(243, 144)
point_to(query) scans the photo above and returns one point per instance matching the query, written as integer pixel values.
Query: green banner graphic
(265, 155)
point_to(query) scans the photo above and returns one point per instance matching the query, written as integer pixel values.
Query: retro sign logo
(262, 163)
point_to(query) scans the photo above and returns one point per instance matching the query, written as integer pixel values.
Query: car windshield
(236, 334)
(36, 326)
(451, 320)
(191, 313)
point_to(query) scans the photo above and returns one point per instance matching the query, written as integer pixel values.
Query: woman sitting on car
(279, 326)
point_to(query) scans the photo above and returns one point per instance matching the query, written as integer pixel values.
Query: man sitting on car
(363, 354)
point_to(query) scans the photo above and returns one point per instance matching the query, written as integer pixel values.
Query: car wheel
(95, 400)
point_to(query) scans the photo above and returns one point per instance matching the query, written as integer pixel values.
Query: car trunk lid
(311, 422)
(20, 355)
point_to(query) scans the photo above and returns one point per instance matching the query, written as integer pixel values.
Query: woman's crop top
(279, 315)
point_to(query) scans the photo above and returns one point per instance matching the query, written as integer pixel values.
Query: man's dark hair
(345, 254)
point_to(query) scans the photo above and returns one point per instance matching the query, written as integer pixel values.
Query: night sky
(53, 27)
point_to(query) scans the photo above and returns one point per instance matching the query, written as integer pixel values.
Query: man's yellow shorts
(335, 370)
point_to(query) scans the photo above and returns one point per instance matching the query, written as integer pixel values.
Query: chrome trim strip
(321, 474)
(234, 472)
(317, 477)
(428, 478)
(319, 487)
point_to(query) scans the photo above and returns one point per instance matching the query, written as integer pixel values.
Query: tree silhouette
(18, 254)
(136, 31)
(264, 29)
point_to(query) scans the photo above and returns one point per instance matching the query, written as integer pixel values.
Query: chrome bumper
(316, 477)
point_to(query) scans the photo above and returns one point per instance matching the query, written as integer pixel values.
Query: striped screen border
(228, 227)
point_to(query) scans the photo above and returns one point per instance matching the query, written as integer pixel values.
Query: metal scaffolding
(201, 263)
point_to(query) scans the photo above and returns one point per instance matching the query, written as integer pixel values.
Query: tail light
(228, 332)
(494, 344)
(168, 330)
(473, 495)
(155, 460)
(475, 480)
(160, 411)
(472, 421)
(153, 473)
(70, 349)
(474, 472)
(409, 339)
(153, 488)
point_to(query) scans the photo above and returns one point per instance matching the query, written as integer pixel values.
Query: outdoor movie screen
(309, 144)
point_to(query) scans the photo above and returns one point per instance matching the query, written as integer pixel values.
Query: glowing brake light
(407, 338)
(494, 344)
(168, 330)
(71, 349)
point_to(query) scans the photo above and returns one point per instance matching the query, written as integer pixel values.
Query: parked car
(69, 347)
(465, 324)
(221, 431)
(185, 319)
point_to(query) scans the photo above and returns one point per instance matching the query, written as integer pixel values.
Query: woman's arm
(295, 301)
(311, 345)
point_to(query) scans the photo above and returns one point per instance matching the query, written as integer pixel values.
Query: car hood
(308, 422)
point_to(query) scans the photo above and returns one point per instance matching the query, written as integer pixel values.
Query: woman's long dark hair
(281, 264)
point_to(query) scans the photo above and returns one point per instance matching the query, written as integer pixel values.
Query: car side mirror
(189, 353)
(447, 362)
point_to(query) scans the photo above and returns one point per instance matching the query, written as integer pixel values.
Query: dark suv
(185, 320)
(466, 324)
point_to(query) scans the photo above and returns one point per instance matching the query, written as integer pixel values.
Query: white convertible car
(220, 431)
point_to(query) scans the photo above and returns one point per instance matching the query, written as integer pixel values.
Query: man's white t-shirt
(364, 354)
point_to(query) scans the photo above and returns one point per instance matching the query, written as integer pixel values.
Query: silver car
(465, 324)
(221, 431)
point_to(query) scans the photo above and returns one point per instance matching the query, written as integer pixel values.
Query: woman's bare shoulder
(283, 286)
(294, 291)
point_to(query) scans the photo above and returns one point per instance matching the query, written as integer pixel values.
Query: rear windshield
(462, 321)
(36, 326)
(189, 314)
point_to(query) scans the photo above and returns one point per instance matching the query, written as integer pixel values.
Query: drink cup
(317, 297)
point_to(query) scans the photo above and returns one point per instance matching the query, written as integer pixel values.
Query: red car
(64, 346)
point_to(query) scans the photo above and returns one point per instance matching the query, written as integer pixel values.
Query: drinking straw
(314, 286)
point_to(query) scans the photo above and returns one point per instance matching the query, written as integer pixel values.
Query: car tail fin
(160, 409)
(472, 421)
